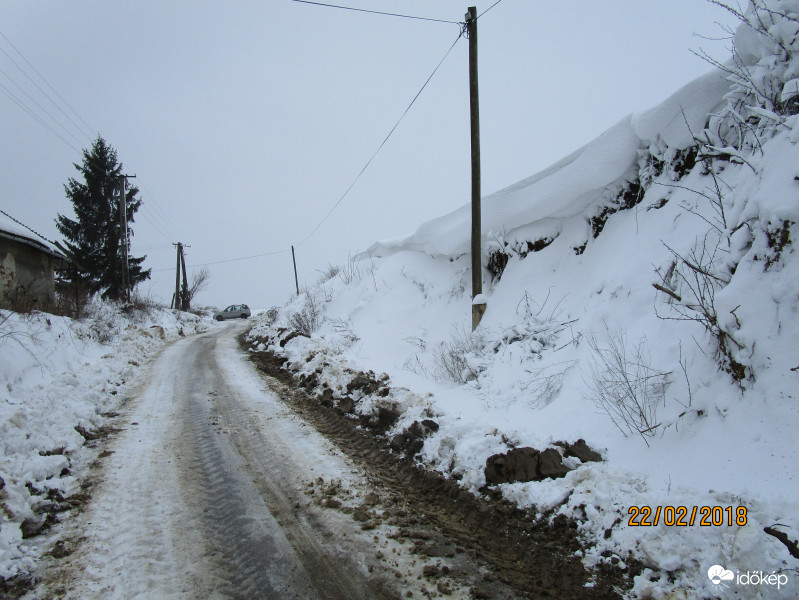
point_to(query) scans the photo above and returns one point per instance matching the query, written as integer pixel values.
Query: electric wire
(489, 8)
(228, 260)
(41, 108)
(158, 210)
(36, 117)
(156, 227)
(376, 12)
(383, 143)
(162, 215)
(88, 127)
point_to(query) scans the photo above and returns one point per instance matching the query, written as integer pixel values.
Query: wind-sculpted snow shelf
(385, 428)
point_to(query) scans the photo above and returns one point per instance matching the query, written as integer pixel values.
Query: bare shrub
(414, 364)
(457, 360)
(692, 282)
(199, 281)
(103, 330)
(271, 315)
(309, 318)
(351, 271)
(625, 385)
(345, 330)
(141, 306)
(546, 383)
(329, 273)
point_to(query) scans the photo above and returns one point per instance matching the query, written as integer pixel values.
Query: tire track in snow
(264, 549)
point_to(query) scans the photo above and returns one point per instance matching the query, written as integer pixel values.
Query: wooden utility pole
(474, 104)
(294, 260)
(123, 236)
(177, 302)
(186, 302)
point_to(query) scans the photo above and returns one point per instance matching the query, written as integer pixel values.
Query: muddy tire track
(535, 560)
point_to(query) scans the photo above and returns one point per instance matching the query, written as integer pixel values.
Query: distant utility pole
(123, 235)
(294, 260)
(176, 298)
(477, 263)
(181, 300)
(186, 300)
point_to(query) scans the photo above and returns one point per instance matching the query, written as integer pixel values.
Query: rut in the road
(246, 558)
(237, 487)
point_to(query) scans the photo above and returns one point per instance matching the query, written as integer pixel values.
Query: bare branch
(666, 291)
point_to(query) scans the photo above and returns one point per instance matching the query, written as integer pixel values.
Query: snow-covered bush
(309, 317)
(764, 74)
(458, 359)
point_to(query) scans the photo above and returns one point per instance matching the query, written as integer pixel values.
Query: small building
(27, 265)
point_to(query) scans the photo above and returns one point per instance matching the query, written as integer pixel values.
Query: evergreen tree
(93, 239)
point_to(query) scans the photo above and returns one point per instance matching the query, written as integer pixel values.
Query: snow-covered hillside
(62, 381)
(642, 295)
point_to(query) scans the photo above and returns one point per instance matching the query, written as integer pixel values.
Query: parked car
(234, 311)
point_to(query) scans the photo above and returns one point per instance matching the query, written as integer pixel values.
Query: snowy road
(205, 494)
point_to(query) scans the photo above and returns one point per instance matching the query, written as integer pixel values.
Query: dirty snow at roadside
(688, 390)
(61, 376)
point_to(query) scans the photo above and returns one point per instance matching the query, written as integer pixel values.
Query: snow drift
(572, 185)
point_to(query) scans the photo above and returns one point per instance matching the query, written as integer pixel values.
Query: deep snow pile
(60, 376)
(643, 295)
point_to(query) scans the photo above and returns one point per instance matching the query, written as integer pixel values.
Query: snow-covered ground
(60, 374)
(689, 391)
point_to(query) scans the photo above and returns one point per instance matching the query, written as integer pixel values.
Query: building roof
(12, 229)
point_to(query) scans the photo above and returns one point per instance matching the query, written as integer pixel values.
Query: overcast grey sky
(246, 121)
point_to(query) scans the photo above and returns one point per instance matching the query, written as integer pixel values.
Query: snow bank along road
(215, 488)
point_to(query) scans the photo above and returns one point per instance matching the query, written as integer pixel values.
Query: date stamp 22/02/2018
(686, 516)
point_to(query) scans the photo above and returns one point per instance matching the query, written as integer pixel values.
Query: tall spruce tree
(94, 238)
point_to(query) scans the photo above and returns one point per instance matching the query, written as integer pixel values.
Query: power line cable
(44, 93)
(153, 218)
(156, 227)
(157, 208)
(41, 108)
(383, 143)
(36, 117)
(42, 77)
(380, 147)
(376, 12)
(489, 8)
(219, 262)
